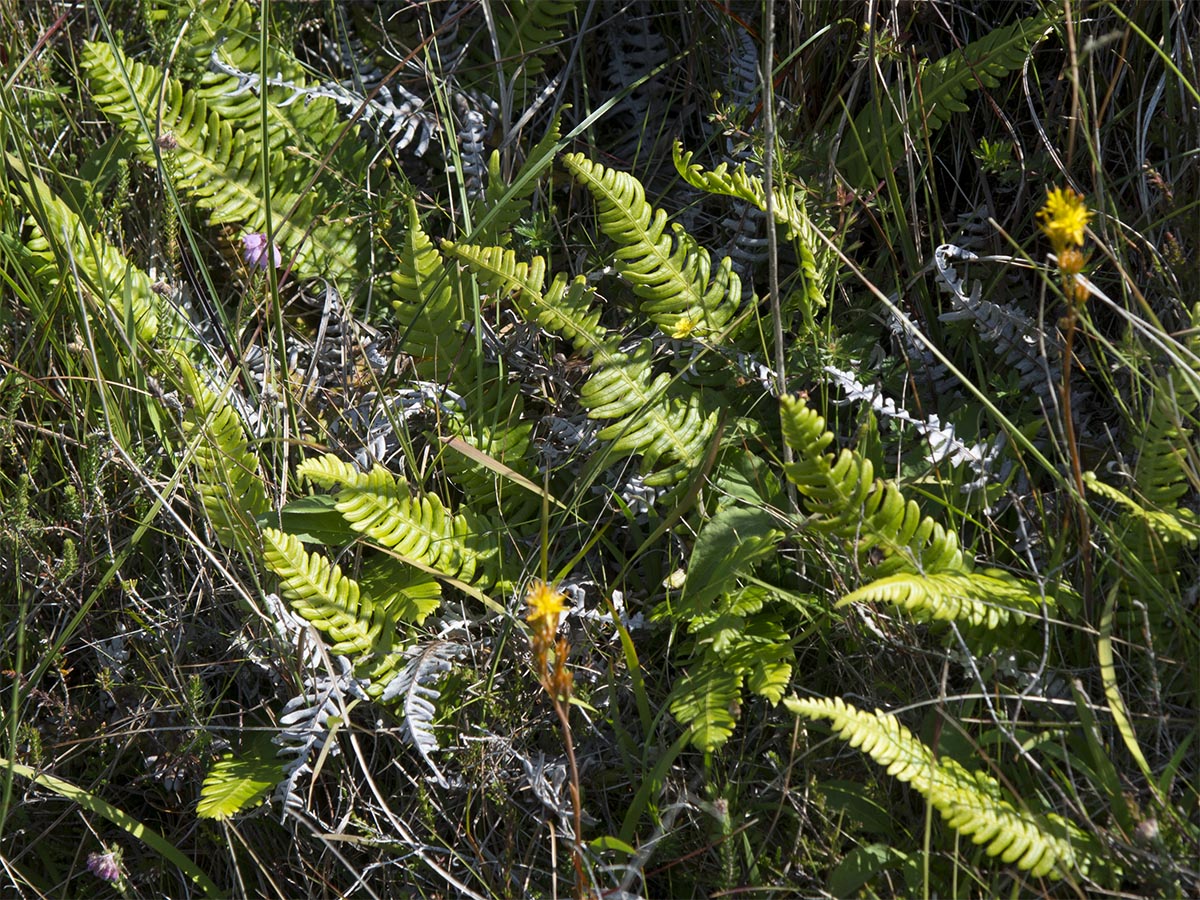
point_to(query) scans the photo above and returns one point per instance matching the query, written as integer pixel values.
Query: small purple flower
(105, 865)
(256, 254)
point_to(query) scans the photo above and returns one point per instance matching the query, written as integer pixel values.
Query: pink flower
(255, 251)
(105, 865)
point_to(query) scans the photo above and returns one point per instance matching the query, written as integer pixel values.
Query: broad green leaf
(727, 544)
(236, 783)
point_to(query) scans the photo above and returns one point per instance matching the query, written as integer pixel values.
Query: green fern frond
(67, 248)
(788, 209)
(667, 426)
(845, 500)
(671, 274)
(227, 473)
(1162, 473)
(978, 599)
(1161, 470)
(770, 670)
(876, 137)
(733, 627)
(217, 164)
(530, 29)
(494, 424)
(564, 308)
(723, 181)
(318, 591)
(1153, 523)
(970, 802)
(922, 569)
(1177, 526)
(427, 303)
(378, 506)
(228, 28)
(408, 595)
(732, 650)
(400, 595)
(754, 645)
(727, 545)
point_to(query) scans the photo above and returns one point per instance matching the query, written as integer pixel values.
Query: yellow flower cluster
(1063, 220)
(549, 651)
(545, 607)
(1064, 217)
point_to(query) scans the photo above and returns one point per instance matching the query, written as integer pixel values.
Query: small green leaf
(608, 842)
(313, 520)
(860, 866)
(234, 784)
(705, 700)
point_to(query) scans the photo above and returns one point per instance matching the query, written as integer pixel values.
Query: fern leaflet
(378, 506)
(845, 500)
(227, 476)
(922, 568)
(220, 165)
(235, 783)
(427, 303)
(668, 426)
(978, 599)
(110, 276)
(563, 308)
(318, 591)
(705, 700)
(425, 664)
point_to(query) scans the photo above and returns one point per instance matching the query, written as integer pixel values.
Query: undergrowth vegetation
(607, 449)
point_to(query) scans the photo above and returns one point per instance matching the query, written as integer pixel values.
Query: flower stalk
(1064, 219)
(550, 663)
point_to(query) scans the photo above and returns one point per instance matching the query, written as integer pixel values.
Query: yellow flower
(1064, 217)
(684, 326)
(545, 606)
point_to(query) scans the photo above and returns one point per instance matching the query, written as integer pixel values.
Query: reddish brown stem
(562, 709)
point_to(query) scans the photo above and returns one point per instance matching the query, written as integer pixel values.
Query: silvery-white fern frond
(1016, 338)
(945, 447)
(306, 723)
(742, 81)
(635, 49)
(928, 372)
(426, 664)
